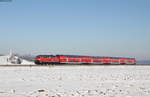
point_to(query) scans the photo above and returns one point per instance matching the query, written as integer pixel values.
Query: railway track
(29, 65)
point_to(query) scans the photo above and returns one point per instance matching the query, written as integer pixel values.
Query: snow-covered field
(75, 81)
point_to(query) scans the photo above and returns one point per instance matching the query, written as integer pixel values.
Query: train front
(46, 59)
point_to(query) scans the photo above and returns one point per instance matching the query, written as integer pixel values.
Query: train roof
(76, 56)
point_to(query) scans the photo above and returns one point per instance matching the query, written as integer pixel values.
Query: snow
(24, 62)
(4, 61)
(75, 81)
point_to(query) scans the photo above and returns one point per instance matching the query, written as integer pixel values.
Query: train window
(38, 56)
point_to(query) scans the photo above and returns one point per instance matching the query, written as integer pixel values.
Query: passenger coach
(74, 59)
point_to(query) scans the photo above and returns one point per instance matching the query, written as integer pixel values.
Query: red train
(74, 59)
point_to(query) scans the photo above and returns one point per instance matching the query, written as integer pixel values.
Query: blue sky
(85, 27)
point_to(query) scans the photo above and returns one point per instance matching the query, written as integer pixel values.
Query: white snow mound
(10, 60)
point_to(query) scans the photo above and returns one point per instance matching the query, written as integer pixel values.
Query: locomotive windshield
(45, 56)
